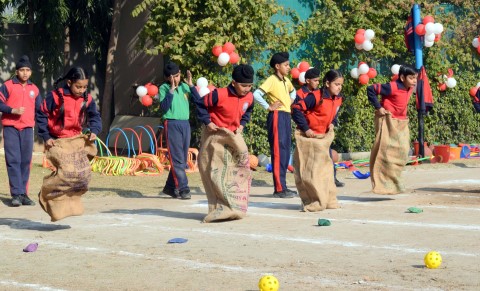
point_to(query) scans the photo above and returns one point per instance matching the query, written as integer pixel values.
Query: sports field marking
(10, 283)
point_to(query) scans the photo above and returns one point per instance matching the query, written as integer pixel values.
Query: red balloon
(428, 19)
(372, 73)
(473, 91)
(234, 58)
(217, 50)
(442, 87)
(363, 79)
(147, 100)
(361, 63)
(478, 49)
(420, 29)
(437, 37)
(359, 38)
(152, 90)
(228, 47)
(303, 66)
(395, 77)
(295, 72)
(360, 31)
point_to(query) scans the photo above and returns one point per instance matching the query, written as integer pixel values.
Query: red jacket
(227, 109)
(394, 98)
(14, 95)
(316, 113)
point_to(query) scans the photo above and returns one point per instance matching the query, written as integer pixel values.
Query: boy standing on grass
(277, 94)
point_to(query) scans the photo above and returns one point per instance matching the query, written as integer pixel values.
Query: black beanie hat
(171, 69)
(243, 74)
(23, 62)
(278, 58)
(312, 73)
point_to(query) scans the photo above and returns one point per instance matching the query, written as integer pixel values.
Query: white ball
(203, 91)
(438, 28)
(478, 85)
(430, 37)
(367, 45)
(428, 43)
(451, 82)
(359, 46)
(369, 34)
(430, 28)
(141, 91)
(395, 69)
(301, 77)
(363, 69)
(223, 59)
(202, 82)
(475, 42)
(354, 73)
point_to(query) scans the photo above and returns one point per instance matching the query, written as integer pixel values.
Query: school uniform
(476, 102)
(395, 97)
(48, 116)
(18, 131)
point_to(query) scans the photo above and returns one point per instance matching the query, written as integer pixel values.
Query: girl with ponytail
(67, 110)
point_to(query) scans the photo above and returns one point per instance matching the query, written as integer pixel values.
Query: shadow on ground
(448, 190)
(364, 199)
(159, 212)
(20, 223)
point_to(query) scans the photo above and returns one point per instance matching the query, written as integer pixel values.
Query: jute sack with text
(314, 171)
(389, 154)
(226, 175)
(61, 190)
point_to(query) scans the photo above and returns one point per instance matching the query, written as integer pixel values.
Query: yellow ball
(268, 283)
(433, 260)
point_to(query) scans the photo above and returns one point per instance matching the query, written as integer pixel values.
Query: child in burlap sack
(314, 116)
(61, 118)
(223, 160)
(392, 137)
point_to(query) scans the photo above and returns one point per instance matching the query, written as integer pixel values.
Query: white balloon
(203, 91)
(140, 98)
(141, 91)
(438, 28)
(369, 34)
(451, 82)
(223, 59)
(359, 46)
(363, 69)
(354, 73)
(395, 69)
(475, 42)
(202, 82)
(430, 37)
(478, 85)
(301, 77)
(430, 28)
(367, 45)
(428, 43)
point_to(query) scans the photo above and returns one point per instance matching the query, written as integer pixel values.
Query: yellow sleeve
(267, 85)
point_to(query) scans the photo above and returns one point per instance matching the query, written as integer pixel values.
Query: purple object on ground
(31, 248)
(177, 240)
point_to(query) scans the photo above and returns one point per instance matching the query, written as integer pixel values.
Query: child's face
(176, 79)
(78, 87)
(312, 84)
(23, 74)
(334, 87)
(242, 89)
(283, 68)
(409, 81)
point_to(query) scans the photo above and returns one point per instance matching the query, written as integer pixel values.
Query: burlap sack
(225, 172)
(389, 154)
(314, 171)
(61, 190)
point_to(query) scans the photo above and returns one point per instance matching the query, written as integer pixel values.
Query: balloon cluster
(146, 93)
(226, 54)
(395, 70)
(203, 88)
(447, 81)
(363, 39)
(473, 90)
(363, 73)
(431, 31)
(476, 43)
(299, 71)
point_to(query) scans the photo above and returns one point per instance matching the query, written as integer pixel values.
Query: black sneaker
(338, 183)
(291, 191)
(184, 194)
(170, 192)
(16, 200)
(283, 194)
(26, 200)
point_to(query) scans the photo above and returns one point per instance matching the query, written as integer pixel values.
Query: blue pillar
(418, 65)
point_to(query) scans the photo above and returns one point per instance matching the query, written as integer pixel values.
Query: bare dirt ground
(120, 243)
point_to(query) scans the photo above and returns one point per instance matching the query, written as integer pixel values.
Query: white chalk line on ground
(11, 283)
(463, 181)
